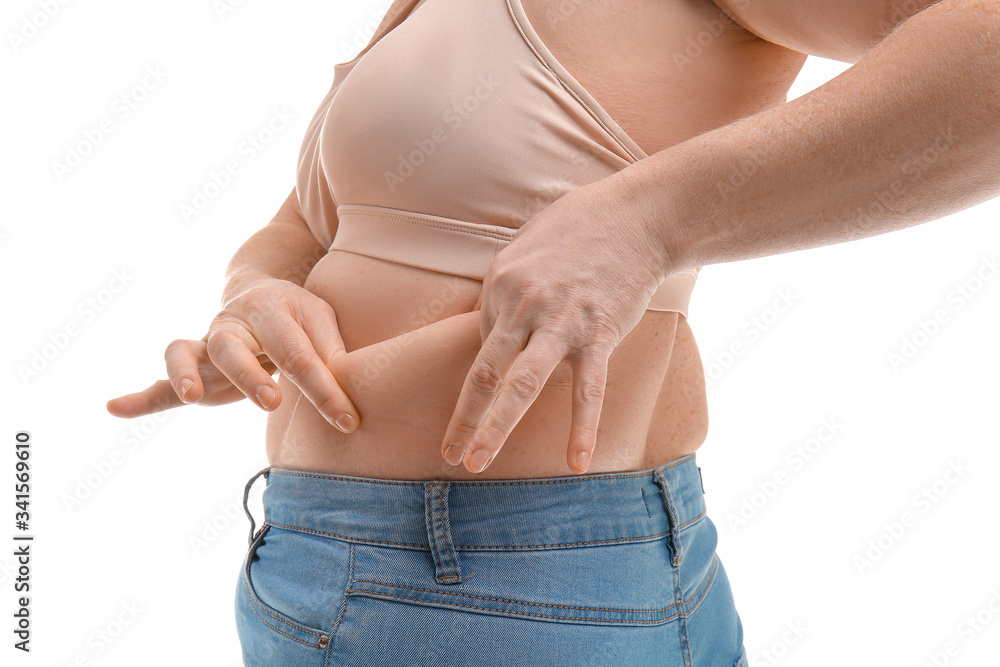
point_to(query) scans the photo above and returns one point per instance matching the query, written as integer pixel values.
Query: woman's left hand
(573, 282)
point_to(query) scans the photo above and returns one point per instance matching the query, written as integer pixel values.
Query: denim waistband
(537, 513)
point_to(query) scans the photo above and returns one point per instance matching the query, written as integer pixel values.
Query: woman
(408, 520)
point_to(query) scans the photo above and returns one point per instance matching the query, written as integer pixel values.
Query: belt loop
(246, 495)
(673, 539)
(446, 567)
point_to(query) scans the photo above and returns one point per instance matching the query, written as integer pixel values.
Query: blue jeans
(597, 569)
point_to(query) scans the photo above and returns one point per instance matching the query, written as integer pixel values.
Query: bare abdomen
(411, 340)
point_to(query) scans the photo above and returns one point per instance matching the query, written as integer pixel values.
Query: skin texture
(538, 379)
(644, 419)
(907, 135)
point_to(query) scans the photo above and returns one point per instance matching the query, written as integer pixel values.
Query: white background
(130, 543)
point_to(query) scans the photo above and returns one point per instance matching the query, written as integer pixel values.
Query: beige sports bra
(448, 131)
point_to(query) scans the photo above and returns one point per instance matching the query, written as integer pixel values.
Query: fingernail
(478, 459)
(345, 423)
(583, 460)
(453, 454)
(265, 395)
(185, 384)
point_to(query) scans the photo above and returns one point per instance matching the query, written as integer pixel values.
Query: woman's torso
(665, 70)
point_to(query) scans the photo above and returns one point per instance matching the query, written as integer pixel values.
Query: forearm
(284, 249)
(908, 134)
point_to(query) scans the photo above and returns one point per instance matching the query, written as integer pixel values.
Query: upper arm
(838, 29)
(290, 213)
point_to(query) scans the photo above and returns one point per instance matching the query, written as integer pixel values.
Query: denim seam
(255, 600)
(254, 604)
(621, 540)
(532, 604)
(343, 608)
(449, 548)
(617, 540)
(440, 535)
(688, 523)
(701, 592)
(510, 611)
(676, 550)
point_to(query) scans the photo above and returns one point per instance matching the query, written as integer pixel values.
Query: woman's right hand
(273, 325)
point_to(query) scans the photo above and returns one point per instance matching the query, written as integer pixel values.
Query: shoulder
(391, 15)
(838, 29)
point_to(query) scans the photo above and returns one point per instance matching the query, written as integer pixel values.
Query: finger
(520, 389)
(229, 349)
(157, 397)
(290, 346)
(183, 358)
(481, 388)
(590, 377)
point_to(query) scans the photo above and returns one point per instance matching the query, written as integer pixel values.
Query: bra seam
(498, 236)
(569, 88)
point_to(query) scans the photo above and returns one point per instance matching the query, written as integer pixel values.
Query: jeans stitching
(255, 600)
(691, 521)
(509, 611)
(440, 530)
(253, 605)
(532, 604)
(703, 589)
(700, 592)
(343, 606)
(446, 531)
(682, 624)
(620, 540)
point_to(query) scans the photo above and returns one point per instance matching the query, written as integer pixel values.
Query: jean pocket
(588, 585)
(273, 597)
